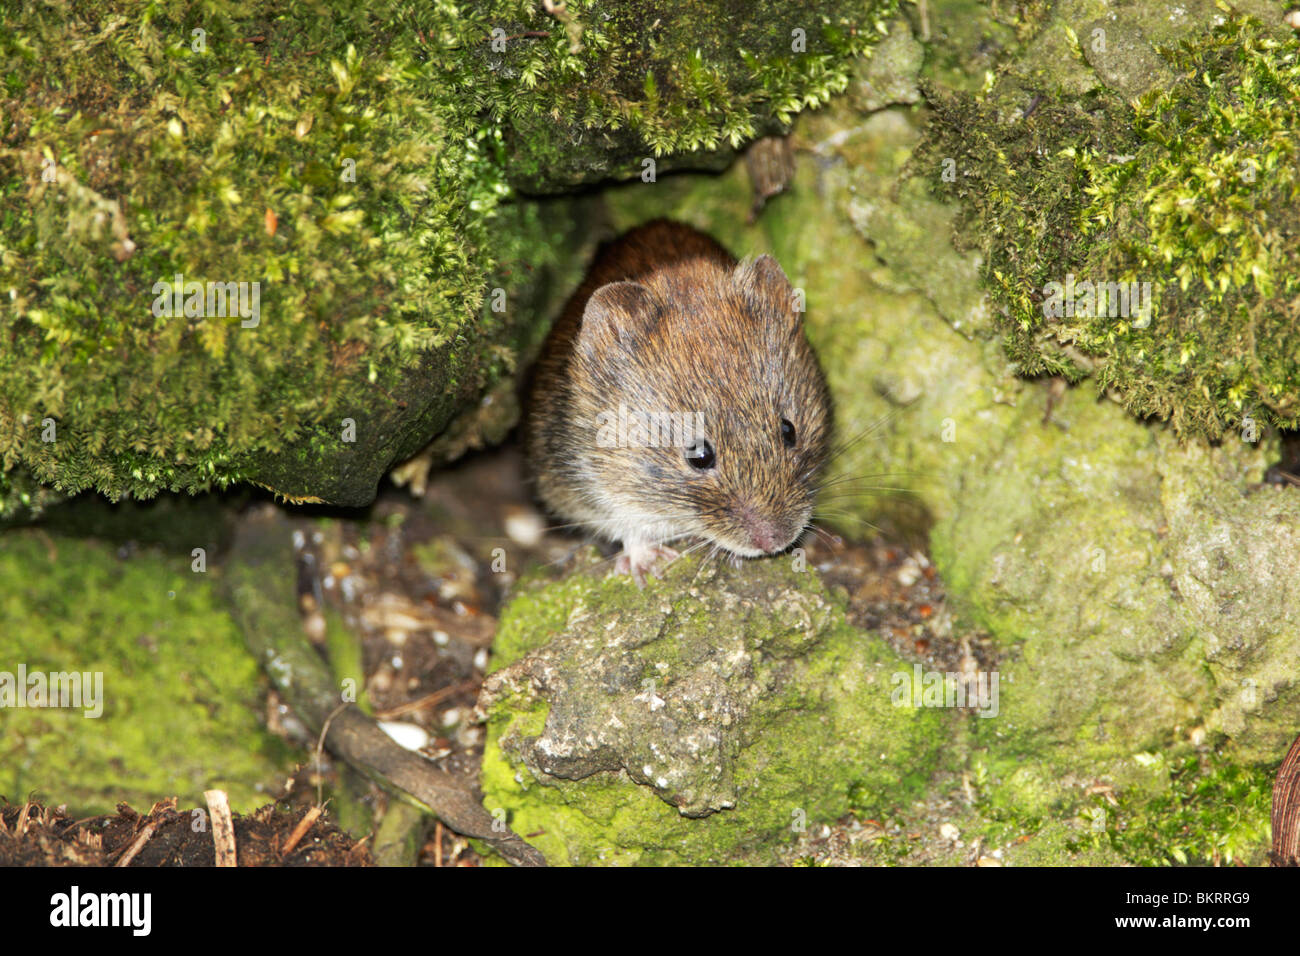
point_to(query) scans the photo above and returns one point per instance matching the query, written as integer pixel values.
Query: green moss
(809, 722)
(1192, 187)
(1149, 809)
(181, 694)
(1213, 813)
(624, 83)
(136, 156)
(344, 653)
(357, 165)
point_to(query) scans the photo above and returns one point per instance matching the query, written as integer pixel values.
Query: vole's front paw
(637, 559)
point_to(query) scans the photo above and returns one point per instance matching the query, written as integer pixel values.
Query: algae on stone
(706, 719)
(181, 693)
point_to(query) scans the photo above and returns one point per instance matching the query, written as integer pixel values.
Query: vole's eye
(700, 455)
(787, 433)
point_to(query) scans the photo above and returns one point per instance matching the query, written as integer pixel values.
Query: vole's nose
(763, 533)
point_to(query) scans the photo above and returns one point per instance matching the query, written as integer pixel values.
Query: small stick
(145, 836)
(320, 748)
(425, 701)
(306, 823)
(223, 827)
(437, 844)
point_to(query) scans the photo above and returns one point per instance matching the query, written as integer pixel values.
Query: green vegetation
(356, 164)
(1214, 813)
(1193, 187)
(677, 81)
(293, 149)
(181, 695)
(686, 722)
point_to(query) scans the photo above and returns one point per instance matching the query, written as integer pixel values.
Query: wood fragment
(262, 598)
(137, 844)
(304, 825)
(428, 700)
(1286, 810)
(223, 827)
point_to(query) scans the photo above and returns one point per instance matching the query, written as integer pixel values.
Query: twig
(320, 748)
(427, 700)
(306, 823)
(261, 598)
(223, 827)
(138, 844)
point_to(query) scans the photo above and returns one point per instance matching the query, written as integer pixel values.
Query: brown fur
(668, 321)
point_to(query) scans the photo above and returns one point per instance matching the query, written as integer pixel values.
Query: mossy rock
(180, 692)
(1140, 226)
(686, 84)
(352, 169)
(706, 719)
(295, 150)
(1133, 581)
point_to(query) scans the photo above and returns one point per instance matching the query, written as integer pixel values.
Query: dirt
(34, 835)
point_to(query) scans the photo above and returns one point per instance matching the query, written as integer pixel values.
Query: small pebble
(410, 736)
(525, 527)
(314, 626)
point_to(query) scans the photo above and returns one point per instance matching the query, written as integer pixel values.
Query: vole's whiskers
(707, 562)
(822, 533)
(849, 517)
(846, 479)
(844, 446)
(873, 490)
(704, 542)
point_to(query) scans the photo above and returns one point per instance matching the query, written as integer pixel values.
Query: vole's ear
(764, 284)
(618, 314)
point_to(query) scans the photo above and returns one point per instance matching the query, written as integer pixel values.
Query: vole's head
(716, 417)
